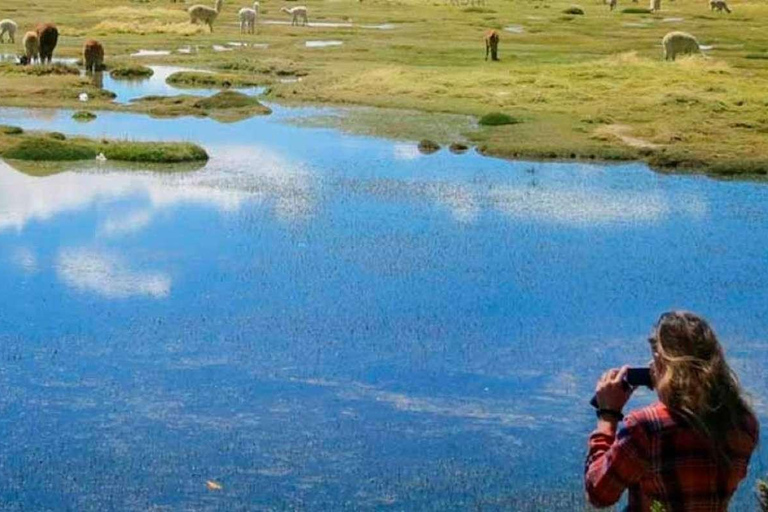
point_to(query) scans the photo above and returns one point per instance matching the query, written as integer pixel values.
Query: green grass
(131, 71)
(84, 116)
(694, 114)
(53, 147)
(497, 119)
(636, 10)
(574, 10)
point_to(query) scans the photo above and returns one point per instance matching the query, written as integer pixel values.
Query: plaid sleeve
(615, 461)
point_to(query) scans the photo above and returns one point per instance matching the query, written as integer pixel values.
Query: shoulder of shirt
(652, 418)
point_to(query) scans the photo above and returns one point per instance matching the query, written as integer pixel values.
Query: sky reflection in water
(316, 319)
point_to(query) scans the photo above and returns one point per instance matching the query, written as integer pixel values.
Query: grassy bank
(15, 144)
(578, 86)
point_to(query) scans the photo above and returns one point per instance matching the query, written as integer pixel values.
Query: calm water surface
(324, 321)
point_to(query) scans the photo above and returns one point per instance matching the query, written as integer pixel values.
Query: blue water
(324, 321)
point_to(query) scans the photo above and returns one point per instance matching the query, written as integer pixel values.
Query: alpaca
(679, 43)
(93, 56)
(205, 14)
(719, 5)
(297, 12)
(48, 35)
(8, 27)
(248, 18)
(492, 45)
(655, 5)
(612, 4)
(31, 48)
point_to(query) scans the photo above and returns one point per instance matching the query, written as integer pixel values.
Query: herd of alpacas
(40, 43)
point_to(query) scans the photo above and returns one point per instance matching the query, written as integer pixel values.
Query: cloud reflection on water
(108, 275)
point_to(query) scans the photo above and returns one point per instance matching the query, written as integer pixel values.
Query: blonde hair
(694, 379)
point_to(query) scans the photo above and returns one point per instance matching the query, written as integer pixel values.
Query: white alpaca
(679, 43)
(248, 18)
(719, 5)
(296, 13)
(205, 14)
(8, 27)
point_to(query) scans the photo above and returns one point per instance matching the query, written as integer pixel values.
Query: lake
(324, 321)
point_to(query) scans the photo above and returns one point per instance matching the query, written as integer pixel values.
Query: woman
(689, 450)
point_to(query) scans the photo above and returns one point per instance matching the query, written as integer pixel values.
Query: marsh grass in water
(84, 116)
(225, 106)
(201, 79)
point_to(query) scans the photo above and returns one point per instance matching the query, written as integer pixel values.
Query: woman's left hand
(611, 391)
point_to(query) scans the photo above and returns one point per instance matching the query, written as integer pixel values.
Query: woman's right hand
(611, 391)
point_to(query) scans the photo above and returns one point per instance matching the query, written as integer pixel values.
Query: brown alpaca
(48, 36)
(492, 44)
(93, 56)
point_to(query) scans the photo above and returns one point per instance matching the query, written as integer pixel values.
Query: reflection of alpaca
(204, 14)
(492, 44)
(248, 18)
(296, 13)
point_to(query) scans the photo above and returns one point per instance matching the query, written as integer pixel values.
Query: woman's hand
(611, 391)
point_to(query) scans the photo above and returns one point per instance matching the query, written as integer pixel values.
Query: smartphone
(636, 377)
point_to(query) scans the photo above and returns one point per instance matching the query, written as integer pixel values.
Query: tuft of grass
(45, 148)
(757, 56)
(226, 106)
(129, 71)
(83, 116)
(427, 147)
(56, 136)
(10, 130)
(497, 119)
(458, 148)
(574, 10)
(636, 10)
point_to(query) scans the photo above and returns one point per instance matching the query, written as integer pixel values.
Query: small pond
(324, 321)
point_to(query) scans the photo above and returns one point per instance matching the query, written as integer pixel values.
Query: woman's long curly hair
(694, 380)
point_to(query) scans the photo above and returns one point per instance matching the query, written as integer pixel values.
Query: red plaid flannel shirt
(660, 458)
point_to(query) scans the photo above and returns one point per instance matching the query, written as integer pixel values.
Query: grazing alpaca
(492, 44)
(679, 43)
(205, 14)
(296, 13)
(48, 35)
(248, 18)
(719, 5)
(31, 49)
(93, 56)
(8, 27)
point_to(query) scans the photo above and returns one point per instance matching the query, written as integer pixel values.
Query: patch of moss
(636, 10)
(56, 136)
(133, 71)
(427, 147)
(46, 148)
(83, 116)
(10, 130)
(497, 119)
